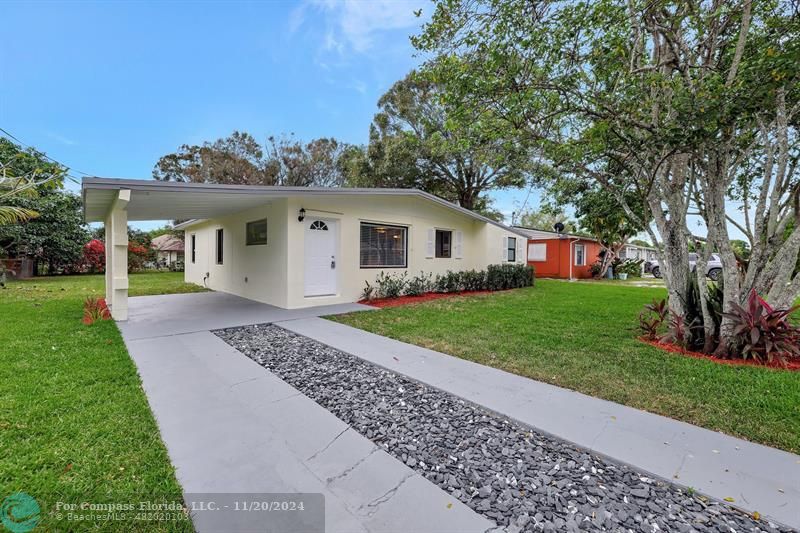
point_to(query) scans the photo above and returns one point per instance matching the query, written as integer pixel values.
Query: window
(219, 246)
(383, 246)
(256, 232)
(194, 246)
(537, 252)
(444, 239)
(580, 255)
(512, 249)
(319, 226)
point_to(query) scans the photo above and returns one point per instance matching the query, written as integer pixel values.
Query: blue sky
(109, 87)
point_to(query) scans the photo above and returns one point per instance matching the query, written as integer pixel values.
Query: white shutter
(520, 250)
(504, 251)
(430, 248)
(459, 248)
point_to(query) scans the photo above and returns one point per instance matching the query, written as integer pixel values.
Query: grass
(582, 336)
(75, 425)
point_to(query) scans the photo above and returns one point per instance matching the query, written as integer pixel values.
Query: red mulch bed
(792, 365)
(427, 297)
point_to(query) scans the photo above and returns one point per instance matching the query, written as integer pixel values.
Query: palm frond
(13, 215)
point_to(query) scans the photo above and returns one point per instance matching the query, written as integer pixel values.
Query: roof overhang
(164, 200)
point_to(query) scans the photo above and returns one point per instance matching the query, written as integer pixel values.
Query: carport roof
(162, 200)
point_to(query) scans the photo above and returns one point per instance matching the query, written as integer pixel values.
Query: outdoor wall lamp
(302, 214)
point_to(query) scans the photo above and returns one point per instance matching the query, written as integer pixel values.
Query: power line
(74, 179)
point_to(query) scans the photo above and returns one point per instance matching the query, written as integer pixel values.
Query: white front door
(320, 257)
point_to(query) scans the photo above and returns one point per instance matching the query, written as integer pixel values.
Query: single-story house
(560, 255)
(169, 250)
(636, 251)
(296, 247)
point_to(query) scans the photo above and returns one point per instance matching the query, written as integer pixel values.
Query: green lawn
(583, 336)
(74, 422)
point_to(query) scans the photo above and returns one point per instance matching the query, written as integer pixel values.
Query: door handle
(333, 262)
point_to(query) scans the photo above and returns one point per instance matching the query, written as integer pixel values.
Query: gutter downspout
(571, 246)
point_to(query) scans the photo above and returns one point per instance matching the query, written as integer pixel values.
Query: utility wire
(72, 178)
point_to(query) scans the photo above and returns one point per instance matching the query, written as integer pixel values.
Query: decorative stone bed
(521, 479)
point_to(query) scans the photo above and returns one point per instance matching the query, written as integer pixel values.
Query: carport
(116, 202)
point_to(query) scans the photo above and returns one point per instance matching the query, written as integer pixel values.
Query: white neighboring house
(634, 251)
(297, 247)
(169, 250)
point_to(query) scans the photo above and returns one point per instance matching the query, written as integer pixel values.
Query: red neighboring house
(560, 255)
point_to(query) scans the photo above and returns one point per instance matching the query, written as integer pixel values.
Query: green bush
(508, 276)
(473, 280)
(391, 286)
(631, 267)
(448, 282)
(494, 278)
(419, 284)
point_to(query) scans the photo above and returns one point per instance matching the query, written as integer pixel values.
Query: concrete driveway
(232, 427)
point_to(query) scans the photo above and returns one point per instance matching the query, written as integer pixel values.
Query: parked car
(713, 268)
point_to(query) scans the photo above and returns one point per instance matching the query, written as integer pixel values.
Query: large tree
(24, 172)
(240, 159)
(416, 141)
(687, 105)
(55, 237)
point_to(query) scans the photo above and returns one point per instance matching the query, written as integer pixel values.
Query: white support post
(116, 227)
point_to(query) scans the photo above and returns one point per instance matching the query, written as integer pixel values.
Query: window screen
(537, 252)
(443, 243)
(219, 246)
(383, 246)
(512, 249)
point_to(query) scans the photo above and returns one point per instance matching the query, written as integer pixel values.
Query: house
(169, 250)
(297, 247)
(560, 255)
(635, 251)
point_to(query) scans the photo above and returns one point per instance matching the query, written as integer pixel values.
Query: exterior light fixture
(302, 214)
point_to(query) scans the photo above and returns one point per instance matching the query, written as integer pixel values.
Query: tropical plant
(652, 318)
(95, 309)
(763, 333)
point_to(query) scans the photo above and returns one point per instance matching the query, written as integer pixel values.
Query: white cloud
(356, 24)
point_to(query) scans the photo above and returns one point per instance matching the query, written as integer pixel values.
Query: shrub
(95, 309)
(419, 284)
(473, 280)
(391, 286)
(508, 276)
(652, 318)
(631, 267)
(368, 293)
(448, 282)
(94, 256)
(764, 333)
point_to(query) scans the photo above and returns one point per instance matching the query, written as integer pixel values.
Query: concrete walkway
(231, 426)
(757, 477)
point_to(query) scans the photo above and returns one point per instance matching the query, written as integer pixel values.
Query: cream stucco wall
(257, 272)
(276, 271)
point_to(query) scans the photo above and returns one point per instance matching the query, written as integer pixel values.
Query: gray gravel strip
(521, 479)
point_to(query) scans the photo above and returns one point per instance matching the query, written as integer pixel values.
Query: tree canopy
(417, 141)
(684, 105)
(240, 159)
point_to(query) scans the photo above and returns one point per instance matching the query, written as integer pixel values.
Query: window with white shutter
(459, 245)
(430, 247)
